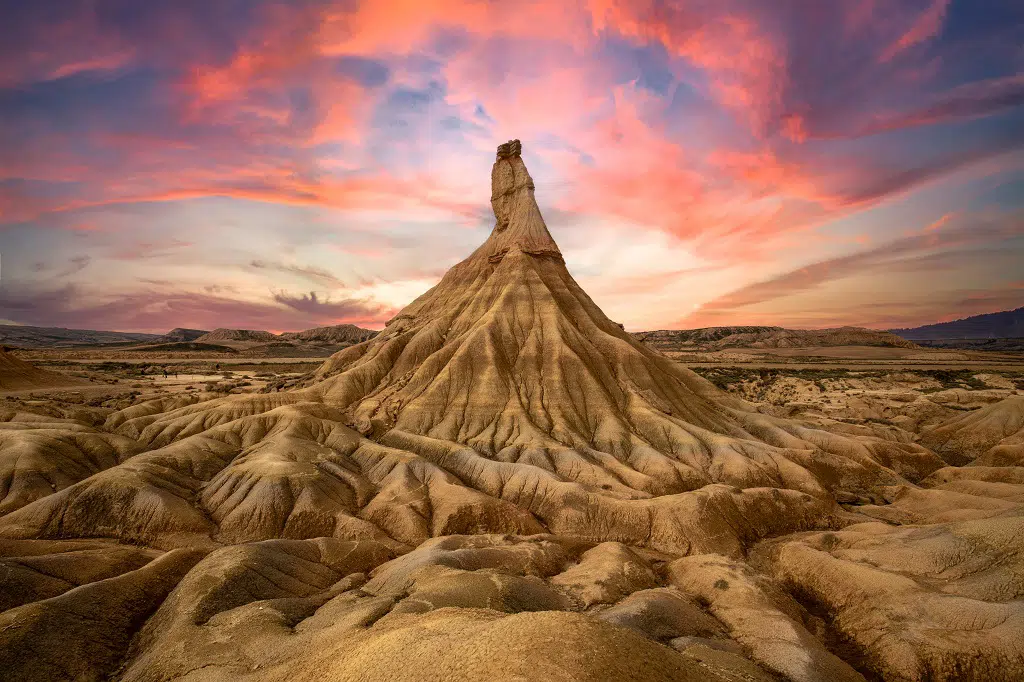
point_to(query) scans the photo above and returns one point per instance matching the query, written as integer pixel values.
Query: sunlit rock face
(503, 484)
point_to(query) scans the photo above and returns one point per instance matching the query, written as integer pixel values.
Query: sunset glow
(281, 166)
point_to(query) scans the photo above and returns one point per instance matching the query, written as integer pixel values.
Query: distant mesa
(718, 338)
(339, 333)
(181, 335)
(26, 336)
(185, 339)
(222, 334)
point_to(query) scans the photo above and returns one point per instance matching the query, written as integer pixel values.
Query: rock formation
(339, 333)
(501, 485)
(181, 335)
(222, 334)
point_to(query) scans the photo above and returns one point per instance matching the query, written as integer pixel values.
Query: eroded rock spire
(519, 223)
(510, 149)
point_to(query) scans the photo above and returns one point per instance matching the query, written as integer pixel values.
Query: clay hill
(719, 338)
(504, 485)
(221, 335)
(18, 375)
(181, 335)
(335, 334)
(339, 333)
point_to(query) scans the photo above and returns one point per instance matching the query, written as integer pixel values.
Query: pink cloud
(374, 27)
(106, 62)
(925, 26)
(746, 63)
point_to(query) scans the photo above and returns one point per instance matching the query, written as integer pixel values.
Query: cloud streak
(933, 249)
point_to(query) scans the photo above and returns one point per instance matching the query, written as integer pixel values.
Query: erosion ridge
(501, 477)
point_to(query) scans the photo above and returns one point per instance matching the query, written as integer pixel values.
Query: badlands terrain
(503, 484)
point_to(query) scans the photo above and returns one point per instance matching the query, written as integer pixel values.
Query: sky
(285, 165)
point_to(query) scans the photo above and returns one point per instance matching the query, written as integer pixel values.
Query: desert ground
(506, 485)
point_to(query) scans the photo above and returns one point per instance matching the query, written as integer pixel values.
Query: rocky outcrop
(222, 334)
(510, 149)
(339, 333)
(181, 335)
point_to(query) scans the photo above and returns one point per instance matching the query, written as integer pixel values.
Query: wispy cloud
(314, 274)
(927, 251)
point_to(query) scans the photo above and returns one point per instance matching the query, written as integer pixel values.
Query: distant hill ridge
(224, 334)
(1008, 324)
(181, 335)
(716, 338)
(26, 336)
(339, 333)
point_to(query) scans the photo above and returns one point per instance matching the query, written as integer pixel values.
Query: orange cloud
(939, 223)
(392, 27)
(354, 193)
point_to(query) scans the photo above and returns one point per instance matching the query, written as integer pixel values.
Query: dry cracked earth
(504, 485)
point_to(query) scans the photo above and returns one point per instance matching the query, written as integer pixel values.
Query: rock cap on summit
(519, 224)
(510, 149)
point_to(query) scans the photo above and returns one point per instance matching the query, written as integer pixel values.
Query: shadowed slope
(991, 435)
(18, 375)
